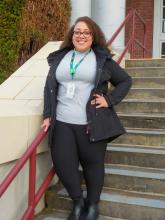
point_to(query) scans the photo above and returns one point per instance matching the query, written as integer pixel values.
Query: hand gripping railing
(33, 197)
(131, 43)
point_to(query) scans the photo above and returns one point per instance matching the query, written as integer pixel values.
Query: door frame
(158, 37)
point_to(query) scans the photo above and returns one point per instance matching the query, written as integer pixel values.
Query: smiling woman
(82, 37)
(80, 113)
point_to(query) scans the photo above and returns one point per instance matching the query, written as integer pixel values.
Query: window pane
(164, 13)
(163, 2)
(163, 26)
(163, 49)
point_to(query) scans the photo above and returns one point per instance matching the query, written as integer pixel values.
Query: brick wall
(146, 10)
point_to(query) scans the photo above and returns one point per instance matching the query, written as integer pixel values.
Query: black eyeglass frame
(85, 34)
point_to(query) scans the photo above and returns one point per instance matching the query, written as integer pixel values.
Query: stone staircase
(134, 186)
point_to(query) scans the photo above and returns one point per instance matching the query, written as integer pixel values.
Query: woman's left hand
(99, 101)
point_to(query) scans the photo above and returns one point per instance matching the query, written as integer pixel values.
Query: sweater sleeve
(120, 80)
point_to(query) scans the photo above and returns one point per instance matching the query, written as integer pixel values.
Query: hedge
(25, 26)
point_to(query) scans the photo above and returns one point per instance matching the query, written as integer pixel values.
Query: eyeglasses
(85, 34)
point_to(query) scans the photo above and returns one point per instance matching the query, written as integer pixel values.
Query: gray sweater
(73, 110)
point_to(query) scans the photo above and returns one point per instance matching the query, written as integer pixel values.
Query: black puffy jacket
(103, 123)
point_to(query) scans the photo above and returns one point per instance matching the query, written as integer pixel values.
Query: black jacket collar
(99, 51)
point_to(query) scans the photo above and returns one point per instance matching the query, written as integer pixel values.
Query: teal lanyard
(74, 68)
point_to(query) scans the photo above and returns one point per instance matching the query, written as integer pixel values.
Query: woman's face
(82, 37)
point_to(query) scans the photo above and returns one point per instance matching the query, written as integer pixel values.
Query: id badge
(70, 90)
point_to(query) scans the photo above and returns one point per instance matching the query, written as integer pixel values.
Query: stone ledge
(21, 104)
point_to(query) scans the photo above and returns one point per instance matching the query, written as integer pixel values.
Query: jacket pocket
(108, 123)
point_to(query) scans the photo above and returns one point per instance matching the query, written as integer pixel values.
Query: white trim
(158, 36)
(156, 30)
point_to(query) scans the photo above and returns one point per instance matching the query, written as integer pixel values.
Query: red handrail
(33, 198)
(131, 43)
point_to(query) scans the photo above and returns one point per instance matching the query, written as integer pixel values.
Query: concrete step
(142, 137)
(151, 121)
(115, 203)
(145, 63)
(148, 82)
(55, 214)
(146, 71)
(135, 155)
(146, 93)
(141, 106)
(134, 178)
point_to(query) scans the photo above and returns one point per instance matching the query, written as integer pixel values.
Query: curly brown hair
(97, 33)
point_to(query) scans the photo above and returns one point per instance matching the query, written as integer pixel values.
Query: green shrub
(10, 40)
(25, 26)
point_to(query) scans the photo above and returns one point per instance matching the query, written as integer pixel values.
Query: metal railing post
(32, 182)
(133, 36)
(144, 41)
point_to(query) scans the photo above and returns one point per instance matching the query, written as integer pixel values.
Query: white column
(80, 8)
(109, 14)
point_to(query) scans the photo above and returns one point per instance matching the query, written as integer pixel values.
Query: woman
(80, 112)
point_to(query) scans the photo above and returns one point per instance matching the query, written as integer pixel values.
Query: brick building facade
(153, 13)
(146, 10)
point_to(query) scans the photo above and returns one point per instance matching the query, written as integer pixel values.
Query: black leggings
(70, 146)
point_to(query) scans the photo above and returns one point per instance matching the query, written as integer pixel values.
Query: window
(163, 50)
(163, 17)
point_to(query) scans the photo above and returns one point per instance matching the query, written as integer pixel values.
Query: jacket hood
(51, 57)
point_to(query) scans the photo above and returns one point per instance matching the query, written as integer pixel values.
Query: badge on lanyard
(70, 90)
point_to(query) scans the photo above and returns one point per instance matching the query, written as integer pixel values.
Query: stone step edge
(146, 77)
(140, 147)
(144, 115)
(136, 149)
(145, 131)
(157, 100)
(144, 67)
(135, 171)
(133, 193)
(57, 214)
(143, 59)
(108, 196)
(147, 88)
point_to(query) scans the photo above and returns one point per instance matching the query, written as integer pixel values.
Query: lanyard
(74, 68)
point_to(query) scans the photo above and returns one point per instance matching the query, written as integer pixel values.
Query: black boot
(91, 212)
(78, 206)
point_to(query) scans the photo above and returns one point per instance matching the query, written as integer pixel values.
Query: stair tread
(136, 171)
(135, 149)
(145, 147)
(144, 67)
(145, 131)
(63, 214)
(157, 100)
(151, 115)
(145, 77)
(125, 197)
(147, 88)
